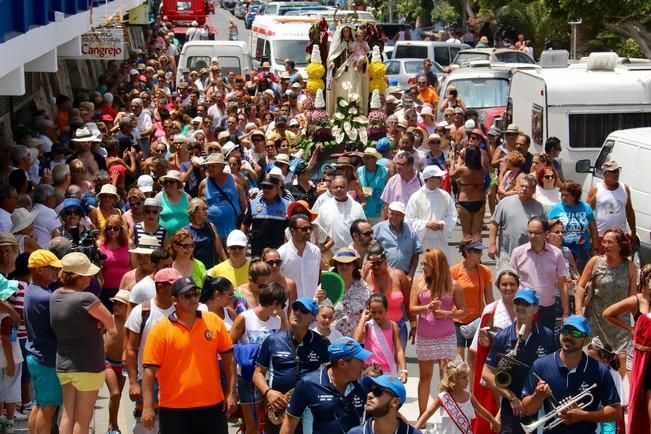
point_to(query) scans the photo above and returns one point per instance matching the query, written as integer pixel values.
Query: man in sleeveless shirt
(611, 202)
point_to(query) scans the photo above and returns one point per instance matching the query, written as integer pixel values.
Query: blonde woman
(437, 301)
(114, 243)
(208, 247)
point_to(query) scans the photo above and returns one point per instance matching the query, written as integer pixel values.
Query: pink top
(428, 325)
(378, 357)
(117, 264)
(395, 300)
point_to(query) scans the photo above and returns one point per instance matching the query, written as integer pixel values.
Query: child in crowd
(455, 399)
(601, 351)
(11, 360)
(113, 347)
(324, 319)
(381, 336)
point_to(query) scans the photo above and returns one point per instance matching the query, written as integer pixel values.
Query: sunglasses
(304, 229)
(378, 261)
(274, 262)
(236, 247)
(191, 294)
(151, 211)
(169, 182)
(521, 303)
(113, 228)
(71, 212)
(548, 177)
(267, 187)
(367, 234)
(377, 392)
(572, 332)
(186, 246)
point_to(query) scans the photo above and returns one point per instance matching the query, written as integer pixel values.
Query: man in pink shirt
(403, 184)
(541, 266)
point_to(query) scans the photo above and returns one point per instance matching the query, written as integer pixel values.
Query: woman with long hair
(182, 252)
(612, 277)
(437, 301)
(547, 192)
(272, 258)
(217, 297)
(136, 212)
(512, 175)
(470, 175)
(114, 243)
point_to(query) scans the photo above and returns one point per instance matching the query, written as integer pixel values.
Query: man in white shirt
(301, 259)
(46, 225)
(431, 211)
(337, 214)
(145, 289)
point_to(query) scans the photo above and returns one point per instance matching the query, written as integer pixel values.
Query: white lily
(362, 120)
(343, 103)
(339, 138)
(346, 85)
(352, 111)
(363, 136)
(353, 134)
(347, 128)
(339, 116)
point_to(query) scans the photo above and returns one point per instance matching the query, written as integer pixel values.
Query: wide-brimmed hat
(343, 162)
(427, 111)
(7, 239)
(229, 147)
(74, 203)
(78, 263)
(291, 209)
(257, 133)
(282, 159)
(346, 255)
(373, 153)
(122, 296)
(109, 189)
(174, 175)
(512, 129)
(611, 166)
(215, 158)
(21, 218)
(146, 245)
(7, 287)
(84, 135)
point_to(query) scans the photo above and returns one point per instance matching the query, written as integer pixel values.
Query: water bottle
(13, 333)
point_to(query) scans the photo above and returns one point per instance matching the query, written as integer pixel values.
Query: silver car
(406, 70)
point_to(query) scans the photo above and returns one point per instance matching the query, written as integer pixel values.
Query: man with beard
(567, 373)
(287, 356)
(386, 394)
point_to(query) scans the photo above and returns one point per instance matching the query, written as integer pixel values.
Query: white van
(233, 56)
(632, 150)
(580, 104)
(275, 39)
(441, 52)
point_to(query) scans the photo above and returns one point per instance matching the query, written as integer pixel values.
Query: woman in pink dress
(437, 301)
(114, 243)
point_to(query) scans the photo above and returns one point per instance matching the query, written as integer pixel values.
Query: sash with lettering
(379, 340)
(454, 411)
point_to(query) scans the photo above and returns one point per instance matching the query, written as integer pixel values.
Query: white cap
(443, 124)
(276, 171)
(433, 171)
(236, 238)
(228, 148)
(145, 183)
(397, 206)
(153, 202)
(469, 125)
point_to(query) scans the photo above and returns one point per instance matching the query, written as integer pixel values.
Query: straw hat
(78, 263)
(346, 255)
(109, 189)
(21, 219)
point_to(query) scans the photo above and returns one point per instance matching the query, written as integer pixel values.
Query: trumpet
(276, 416)
(507, 361)
(551, 419)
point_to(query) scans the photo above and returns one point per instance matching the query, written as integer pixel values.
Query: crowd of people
(166, 234)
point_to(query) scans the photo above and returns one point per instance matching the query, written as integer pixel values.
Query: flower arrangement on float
(376, 71)
(348, 125)
(319, 131)
(315, 72)
(377, 118)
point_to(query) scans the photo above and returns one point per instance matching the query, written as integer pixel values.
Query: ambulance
(275, 38)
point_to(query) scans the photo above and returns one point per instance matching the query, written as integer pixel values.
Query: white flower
(343, 103)
(347, 127)
(336, 130)
(353, 97)
(363, 135)
(362, 120)
(352, 111)
(339, 138)
(339, 116)
(346, 85)
(353, 134)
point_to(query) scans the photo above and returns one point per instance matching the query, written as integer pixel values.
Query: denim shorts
(247, 392)
(47, 389)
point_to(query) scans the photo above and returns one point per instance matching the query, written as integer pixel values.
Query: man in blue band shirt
(567, 373)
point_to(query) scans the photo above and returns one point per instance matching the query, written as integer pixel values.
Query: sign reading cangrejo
(103, 44)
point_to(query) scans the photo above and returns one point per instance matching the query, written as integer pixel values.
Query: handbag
(246, 356)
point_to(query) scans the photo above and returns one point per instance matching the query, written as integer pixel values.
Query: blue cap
(72, 202)
(494, 131)
(345, 348)
(528, 295)
(578, 322)
(307, 303)
(383, 145)
(388, 382)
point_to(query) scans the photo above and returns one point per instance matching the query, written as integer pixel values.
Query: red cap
(107, 118)
(167, 275)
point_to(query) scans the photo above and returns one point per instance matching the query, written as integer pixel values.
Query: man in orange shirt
(426, 93)
(181, 351)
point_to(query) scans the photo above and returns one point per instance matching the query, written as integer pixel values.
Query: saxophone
(276, 416)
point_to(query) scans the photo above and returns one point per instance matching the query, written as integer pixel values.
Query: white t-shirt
(134, 322)
(46, 222)
(336, 217)
(5, 221)
(142, 291)
(333, 336)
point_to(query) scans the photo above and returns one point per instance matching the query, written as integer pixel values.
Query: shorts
(196, 420)
(10, 386)
(442, 348)
(45, 382)
(115, 366)
(83, 381)
(25, 378)
(247, 392)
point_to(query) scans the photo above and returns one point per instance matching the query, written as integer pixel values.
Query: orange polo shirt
(429, 96)
(188, 371)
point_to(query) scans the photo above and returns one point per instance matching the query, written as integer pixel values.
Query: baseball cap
(145, 183)
(397, 206)
(383, 145)
(610, 166)
(345, 348)
(167, 275)
(578, 322)
(78, 263)
(388, 382)
(43, 258)
(307, 303)
(469, 125)
(183, 285)
(528, 295)
(236, 238)
(433, 171)
(152, 201)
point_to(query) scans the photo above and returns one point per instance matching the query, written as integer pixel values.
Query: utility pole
(574, 24)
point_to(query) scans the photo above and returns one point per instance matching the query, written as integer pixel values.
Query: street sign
(103, 44)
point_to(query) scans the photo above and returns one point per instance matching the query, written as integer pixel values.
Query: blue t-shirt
(377, 181)
(565, 383)
(367, 428)
(286, 361)
(399, 247)
(41, 340)
(576, 220)
(268, 222)
(330, 411)
(538, 344)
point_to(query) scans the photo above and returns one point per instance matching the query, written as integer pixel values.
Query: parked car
(441, 52)
(406, 70)
(251, 13)
(493, 55)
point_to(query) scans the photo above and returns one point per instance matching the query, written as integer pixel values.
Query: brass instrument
(276, 416)
(507, 361)
(552, 420)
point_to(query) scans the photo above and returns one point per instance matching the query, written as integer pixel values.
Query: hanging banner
(139, 15)
(103, 44)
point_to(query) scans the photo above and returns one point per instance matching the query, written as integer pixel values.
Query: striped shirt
(17, 301)
(140, 231)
